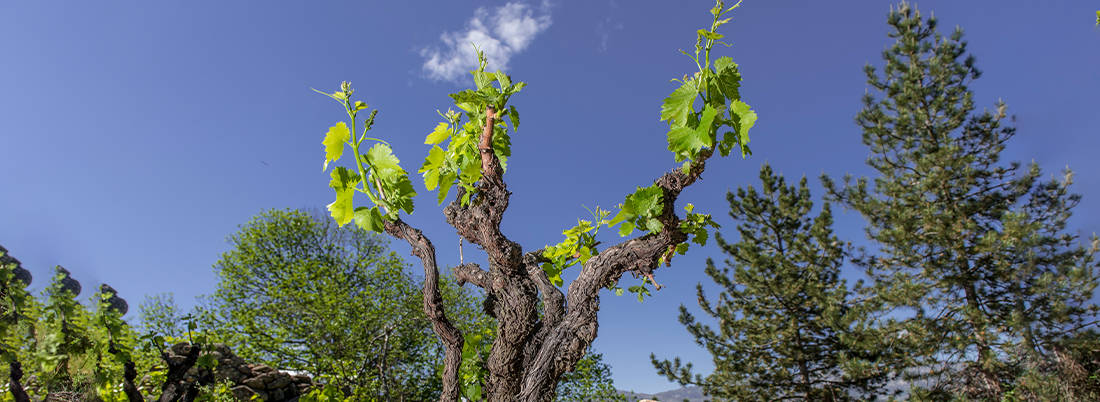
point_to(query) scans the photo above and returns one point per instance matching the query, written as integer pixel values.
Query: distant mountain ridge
(692, 394)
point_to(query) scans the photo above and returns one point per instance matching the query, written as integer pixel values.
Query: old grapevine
(535, 347)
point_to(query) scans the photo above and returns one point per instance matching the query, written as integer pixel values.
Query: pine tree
(972, 250)
(788, 329)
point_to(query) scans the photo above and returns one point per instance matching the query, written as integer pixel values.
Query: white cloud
(505, 32)
(605, 28)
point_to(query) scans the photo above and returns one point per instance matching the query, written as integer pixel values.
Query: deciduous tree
(300, 293)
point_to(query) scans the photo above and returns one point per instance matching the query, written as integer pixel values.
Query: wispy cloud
(605, 28)
(500, 34)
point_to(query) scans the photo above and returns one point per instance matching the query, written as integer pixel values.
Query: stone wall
(247, 379)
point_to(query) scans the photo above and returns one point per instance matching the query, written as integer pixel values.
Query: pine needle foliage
(971, 250)
(788, 328)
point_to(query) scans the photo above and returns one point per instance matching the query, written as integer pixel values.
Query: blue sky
(137, 135)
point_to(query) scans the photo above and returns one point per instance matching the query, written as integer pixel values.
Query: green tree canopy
(973, 250)
(300, 293)
(788, 328)
(590, 381)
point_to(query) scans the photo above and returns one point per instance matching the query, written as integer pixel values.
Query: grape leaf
(743, 119)
(369, 219)
(431, 179)
(380, 157)
(446, 181)
(483, 79)
(401, 194)
(514, 116)
(553, 273)
(334, 143)
(710, 35)
(626, 228)
(434, 161)
(344, 182)
(638, 209)
(647, 200)
(686, 142)
(343, 179)
(441, 133)
(341, 209)
(505, 81)
(653, 225)
(470, 175)
(729, 79)
(677, 106)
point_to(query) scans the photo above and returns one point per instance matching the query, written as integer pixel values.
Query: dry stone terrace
(246, 379)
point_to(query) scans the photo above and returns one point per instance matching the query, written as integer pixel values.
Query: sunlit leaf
(369, 219)
(677, 106)
(626, 228)
(710, 35)
(441, 133)
(743, 120)
(341, 209)
(504, 80)
(728, 78)
(446, 181)
(381, 156)
(514, 116)
(436, 157)
(483, 79)
(334, 142)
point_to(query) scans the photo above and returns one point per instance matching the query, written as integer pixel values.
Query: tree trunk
(16, 388)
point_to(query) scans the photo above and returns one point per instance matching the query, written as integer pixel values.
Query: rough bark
(16, 388)
(566, 342)
(509, 285)
(175, 387)
(433, 306)
(531, 353)
(128, 386)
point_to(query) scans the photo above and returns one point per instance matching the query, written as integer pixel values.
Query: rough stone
(114, 302)
(255, 383)
(242, 392)
(248, 380)
(67, 281)
(281, 382)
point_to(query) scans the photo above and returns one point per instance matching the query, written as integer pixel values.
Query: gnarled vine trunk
(531, 352)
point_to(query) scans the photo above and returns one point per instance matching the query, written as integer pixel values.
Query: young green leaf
(709, 35)
(334, 142)
(626, 228)
(446, 181)
(728, 78)
(401, 195)
(504, 80)
(743, 119)
(514, 116)
(677, 106)
(344, 182)
(483, 79)
(434, 161)
(369, 219)
(380, 157)
(442, 133)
